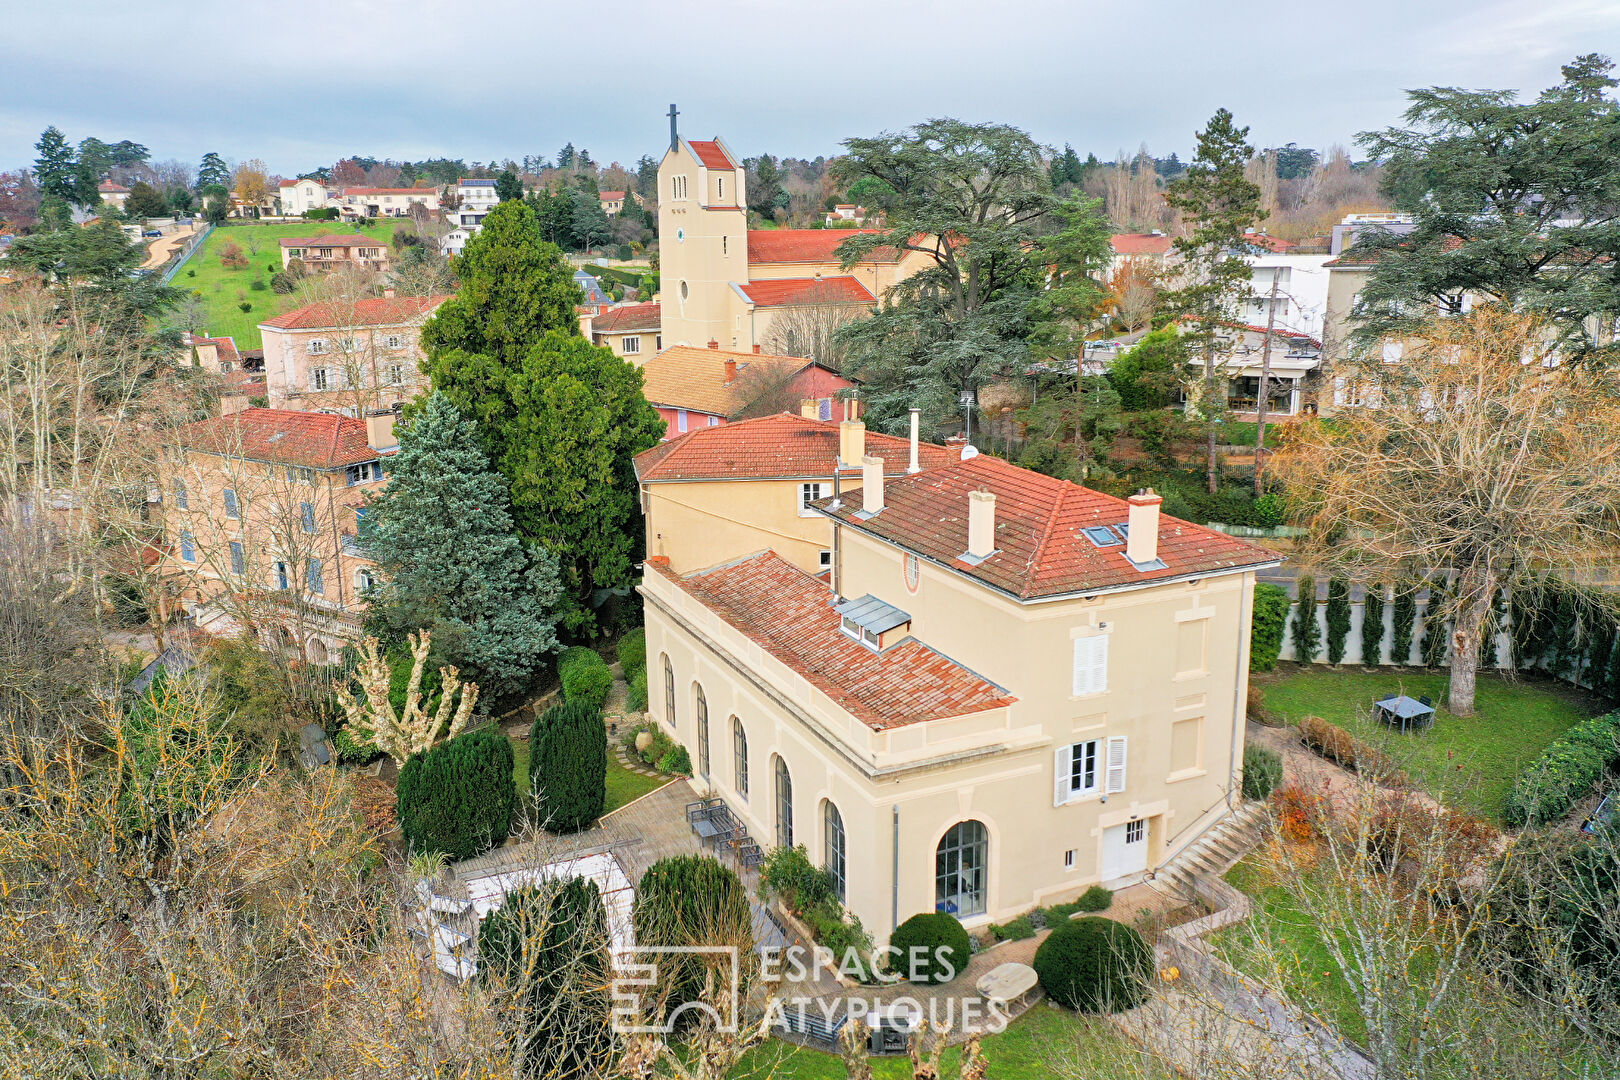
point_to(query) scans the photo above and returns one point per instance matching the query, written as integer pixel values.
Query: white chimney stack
(914, 467)
(981, 524)
(1142, 546)
(380, 431)
(871, 484)
(851, 443)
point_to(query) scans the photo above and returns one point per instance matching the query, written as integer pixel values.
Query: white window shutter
(1062, 763)
(1090, 664)
(1116, 764)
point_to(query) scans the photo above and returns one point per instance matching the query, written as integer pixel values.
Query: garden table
(1006, 983)
(1404, 712)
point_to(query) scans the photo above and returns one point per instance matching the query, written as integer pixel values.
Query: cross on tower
(674, 140)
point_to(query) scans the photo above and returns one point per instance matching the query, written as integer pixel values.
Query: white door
(1125, 850)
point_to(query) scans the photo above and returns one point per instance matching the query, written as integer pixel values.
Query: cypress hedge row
(568, 766)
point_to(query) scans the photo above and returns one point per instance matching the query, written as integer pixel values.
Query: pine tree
(1307, 631)
(1372, 624)
(1338, 618)
(56, 167)
(647, 177)
(568, 770)
(212, 171)
(508, 186)
(565, 157)
(442, 533)
(1405, 621)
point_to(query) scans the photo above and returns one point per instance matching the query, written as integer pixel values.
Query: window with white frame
(320, 378)
(1090, 664)
(680, 419)
(363, 580)
(346, 344)
(396, 374)
(809, 493)
(860, 633)
(393, 341)
(824, 558)
(316, 346)
(714, 421)
(1077, 771)
(632, 344)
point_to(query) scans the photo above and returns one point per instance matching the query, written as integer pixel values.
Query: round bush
(1095, 898)
(458, 797)
(930, 948)
(1094, 965)
(568, 766)
(585, 677)
(1262, 772)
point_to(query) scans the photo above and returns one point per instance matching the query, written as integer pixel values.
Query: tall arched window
(669, 693)
(832, 848)
(703, 733)
(739, 757)
(784, 805)
(959, 870)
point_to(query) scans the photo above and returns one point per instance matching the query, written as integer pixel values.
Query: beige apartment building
(334, 250)
(1005, 689)
(353, 357)
(632, 331)
(262, 510)
(375, 202)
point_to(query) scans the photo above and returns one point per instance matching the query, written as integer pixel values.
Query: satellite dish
(969, 452)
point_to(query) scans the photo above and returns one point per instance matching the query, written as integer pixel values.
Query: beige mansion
(1002, 689)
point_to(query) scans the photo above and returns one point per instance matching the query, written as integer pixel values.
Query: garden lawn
(623, 786)
(1470, 762)
(219, 287)
(1027, 1050)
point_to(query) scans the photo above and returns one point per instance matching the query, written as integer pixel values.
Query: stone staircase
(1213, 853)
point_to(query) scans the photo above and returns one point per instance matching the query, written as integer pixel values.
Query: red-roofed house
(630, 330)
(695, 388)
(372, 202)
(261, 520)
(613, 201)
(112, 194)
(353, 356)
(1005, 688)
(332, 250)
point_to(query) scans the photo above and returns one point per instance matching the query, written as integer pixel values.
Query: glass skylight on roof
(1102, 535)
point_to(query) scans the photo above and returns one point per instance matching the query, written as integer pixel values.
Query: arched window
(669, 693)
(739, 757)
(959, 870)
(317, 651)
(832, 848)
(784, 805)
(703, 733)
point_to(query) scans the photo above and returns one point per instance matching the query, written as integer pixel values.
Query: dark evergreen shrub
(931, 947)
(1405, 619)
(1307, 631)
(458, 797)
(1095, 898)
(1338, 618)
(1566, 771)
(1262, 772)
(1434, 624)
(1372, 625)
(1266, 632)
(691, 900)
(568, 766)
(633, 652)
(1094, 965)
(585, 676)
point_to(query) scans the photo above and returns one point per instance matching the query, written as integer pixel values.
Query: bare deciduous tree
(399, 735)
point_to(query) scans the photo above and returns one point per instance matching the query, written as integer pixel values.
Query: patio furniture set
(717, 827)
(1407, 714)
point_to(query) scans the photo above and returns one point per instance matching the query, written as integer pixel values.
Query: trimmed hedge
(568, 766)
(1566, 771)
(690, 900)
(1262, 772)
(1337, 744)
(942, 945)
(1095, 898)
(633, 652)
(458, 797)
(1094, 965)
(585, 677)
(1266, 631)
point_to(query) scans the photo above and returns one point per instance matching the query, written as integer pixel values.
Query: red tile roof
(107, 187)
(611, 196)
(226, 347)
(711, 154)
(1139, 244)
(396, 311)
(1275, 245)
(806, 245)
(289, 183)
(786, 611)
(686, 377)
(777, 447)
(1040, 550)
(629, 317)
(332, 240)
(316, 440)
(818, 290)
(389, 191)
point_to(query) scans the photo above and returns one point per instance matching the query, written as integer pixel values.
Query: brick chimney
(713, 344)
(851, 443)
(871, 484)
(981, 524)
(810, 408)
(1143, 544)
(757, 350)
(731, 369)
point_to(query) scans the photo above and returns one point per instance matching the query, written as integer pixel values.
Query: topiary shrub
(585, 677)
(931, 947)
(1266, 631)
(1307, 631)
(1095, 898)
(636, 699)
(568, 766)
(690, 900)
(1094, 965)
(633, 652)
(1338, 618)
(1262, 772)
(458, 797)
(1566, 771)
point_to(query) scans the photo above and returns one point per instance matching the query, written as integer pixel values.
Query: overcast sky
(301, 84)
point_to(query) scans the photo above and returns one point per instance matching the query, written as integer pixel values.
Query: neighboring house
(261, 518)
(334, 250)
(474, 199)
(710, 261)
(297, 196)
(214, 353)
(696, 388)
(351, 357)
(613, 201)
(1152, 251)
(455, 241)
(1013, 689)
(1295, 358)
(846, 212)
(595, 295)
(717, 494)
(1344, 233)
(113, 194)
(1302, 292)
(630, 330)
(371, 202)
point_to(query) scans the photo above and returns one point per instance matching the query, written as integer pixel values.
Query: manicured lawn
(1469, 761)
(1027, 1050)
(220, 287)
(623, 786)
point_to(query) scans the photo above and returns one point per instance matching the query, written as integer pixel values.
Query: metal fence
(181, 254)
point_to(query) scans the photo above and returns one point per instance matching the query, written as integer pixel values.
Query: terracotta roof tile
(289, 183)
(806, 245)
(107, 187)
(711, 154)
(332, 240)
(816, 290)
(1040, 551)
(395, 311)
(316, 440)
(1139, 244)
(788, 613)
(629, 317)
(611, 196)
(783, 446)
(686, 377)
(389, 191)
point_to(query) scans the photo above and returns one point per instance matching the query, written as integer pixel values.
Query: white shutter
(1116, 764)
(1090, 664)
(1062, 763)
